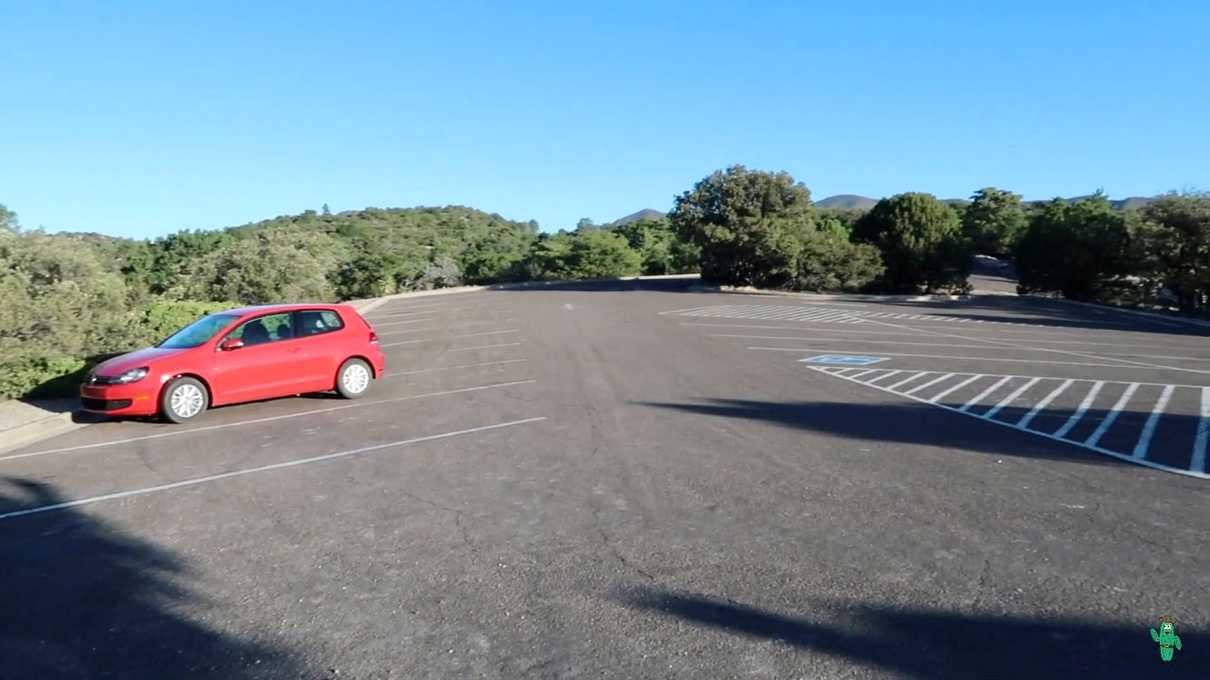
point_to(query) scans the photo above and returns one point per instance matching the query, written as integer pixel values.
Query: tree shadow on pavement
(78, 599)
(935, 643)
(908, 423)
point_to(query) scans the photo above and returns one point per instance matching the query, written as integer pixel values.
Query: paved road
(635, 481)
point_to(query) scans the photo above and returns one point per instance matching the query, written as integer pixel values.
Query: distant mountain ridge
(858, 202)
(644, 214)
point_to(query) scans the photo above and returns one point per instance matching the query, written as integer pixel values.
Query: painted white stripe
(452, 368)
(1112, 416)
(1080, 410)
(995, 386)
(1197, 462)
(262, 468)
(905, 381)
(1010, 399)
(930, 383)
(1144, 443)
(468, 349)
(871, 381)
(820, 350)
(268, 419)
(398, 323)
(445, 337)
(426, 329)
(955, 388)
(1198, 472)
(1028, 417)
(858, 375)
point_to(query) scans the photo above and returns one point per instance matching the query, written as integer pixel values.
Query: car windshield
(198, 332)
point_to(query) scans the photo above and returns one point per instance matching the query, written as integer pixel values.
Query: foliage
(749, 225)
(1176, 239)
(585, 254)
(830, 262)
(658, 246)
(263, 267)
(921, 243)
(1077, 249)
(993, 221)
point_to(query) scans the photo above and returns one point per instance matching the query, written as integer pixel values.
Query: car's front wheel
(353, 378)
(183, 400)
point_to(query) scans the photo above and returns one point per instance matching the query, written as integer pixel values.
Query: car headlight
(133, 375)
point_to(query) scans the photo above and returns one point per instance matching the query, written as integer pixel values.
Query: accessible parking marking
(1165, 439)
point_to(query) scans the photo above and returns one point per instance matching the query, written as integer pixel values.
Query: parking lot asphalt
(634, 480)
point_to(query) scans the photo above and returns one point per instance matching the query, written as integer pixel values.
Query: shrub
(921, 242)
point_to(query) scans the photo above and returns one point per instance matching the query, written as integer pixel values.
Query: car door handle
(293, 350)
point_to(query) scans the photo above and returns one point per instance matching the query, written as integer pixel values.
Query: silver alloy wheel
(356, 378)
(187, 400)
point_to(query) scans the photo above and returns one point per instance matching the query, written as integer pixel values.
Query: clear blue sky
(140, 119)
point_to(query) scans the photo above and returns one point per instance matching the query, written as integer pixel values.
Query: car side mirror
(230, 344)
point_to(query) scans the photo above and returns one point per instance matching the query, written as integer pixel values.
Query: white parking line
(1127, 367)
(888, 374)
(1028, 417)
(1080, 410)
(446, 337)
(263, 468)
(1198, 463)
(1140, 449)
(930, 383)
(468, 349)
(268, 419)
(1112, 416)
(955, 388)
(451, 368)
(399, 323)
(991, 413)
(982, 395)
(905, 381)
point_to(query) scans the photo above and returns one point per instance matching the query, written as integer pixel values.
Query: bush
(829, 262)
(921, 242)
(1077, 249)
(162, 318)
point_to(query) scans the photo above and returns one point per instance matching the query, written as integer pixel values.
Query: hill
(644, 214)
(847, 202)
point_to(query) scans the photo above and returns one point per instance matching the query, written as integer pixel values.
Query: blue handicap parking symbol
(843, 359)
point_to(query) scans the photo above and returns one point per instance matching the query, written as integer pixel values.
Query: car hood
(143, 357)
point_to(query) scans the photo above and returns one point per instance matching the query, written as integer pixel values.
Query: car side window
(264, 329)
(316, 321)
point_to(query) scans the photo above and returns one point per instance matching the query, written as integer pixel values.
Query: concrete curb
(367, 305)
(26, 422)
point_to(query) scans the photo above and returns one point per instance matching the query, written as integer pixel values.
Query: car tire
(183, 400)
(353, 379)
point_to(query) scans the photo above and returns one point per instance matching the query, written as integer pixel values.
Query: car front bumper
(135, 399)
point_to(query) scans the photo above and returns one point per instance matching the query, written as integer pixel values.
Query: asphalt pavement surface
(634, 480)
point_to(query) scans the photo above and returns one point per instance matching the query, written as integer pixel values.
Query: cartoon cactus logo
(1167, 638)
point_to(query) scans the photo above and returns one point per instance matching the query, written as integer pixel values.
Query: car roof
(269, 309)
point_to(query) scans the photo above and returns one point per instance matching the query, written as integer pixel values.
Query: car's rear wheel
(183, 400)
(354, 378)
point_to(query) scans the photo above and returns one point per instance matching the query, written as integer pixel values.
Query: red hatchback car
(240, 355)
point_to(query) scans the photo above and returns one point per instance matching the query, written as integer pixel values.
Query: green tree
(662, 251)
(830, 262)
(993, 221)
(267, 266)
(749, 225)
(921, 243)
(1077, 249)
(1178, 243)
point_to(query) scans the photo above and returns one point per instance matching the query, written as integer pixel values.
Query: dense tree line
(69, 298)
